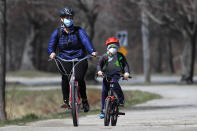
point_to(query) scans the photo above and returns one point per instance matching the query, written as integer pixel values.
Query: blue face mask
(68, 22)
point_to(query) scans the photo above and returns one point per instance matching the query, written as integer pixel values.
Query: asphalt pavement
(176, 111)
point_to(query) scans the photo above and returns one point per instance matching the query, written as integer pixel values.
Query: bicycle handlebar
(73, 60)
(124, 78)
(105, 75)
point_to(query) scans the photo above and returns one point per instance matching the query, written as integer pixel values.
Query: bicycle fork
(114, 102)
(74, 84)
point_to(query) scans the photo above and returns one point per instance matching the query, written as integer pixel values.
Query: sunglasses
(68, 17)
(112, 46)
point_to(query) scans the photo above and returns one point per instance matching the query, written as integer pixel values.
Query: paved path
(177, 111)
(137, 79)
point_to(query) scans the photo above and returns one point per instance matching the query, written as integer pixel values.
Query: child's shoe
(101, 115)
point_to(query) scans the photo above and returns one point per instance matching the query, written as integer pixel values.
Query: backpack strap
(76, 28)
(105, 63)
(120, 60)
(119, 55)
(106, 56)
(59, 32)
(76, 31)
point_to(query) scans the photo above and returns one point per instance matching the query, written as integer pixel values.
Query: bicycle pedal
(121, 113)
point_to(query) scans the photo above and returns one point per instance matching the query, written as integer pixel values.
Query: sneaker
(101, 115)
(65, 104)
(86, 106)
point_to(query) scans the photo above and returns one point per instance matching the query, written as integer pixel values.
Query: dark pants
(117, 89)
(80, 71)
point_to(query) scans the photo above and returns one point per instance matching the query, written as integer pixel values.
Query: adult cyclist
(72, 42)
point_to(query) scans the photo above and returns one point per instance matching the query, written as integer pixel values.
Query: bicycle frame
(74, 89)
(111, 104)
(111, 93)
(72, 79)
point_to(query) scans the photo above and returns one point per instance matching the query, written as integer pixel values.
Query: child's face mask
(113, 50)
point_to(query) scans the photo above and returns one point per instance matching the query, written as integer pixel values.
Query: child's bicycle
(74, 97)
(111, 109)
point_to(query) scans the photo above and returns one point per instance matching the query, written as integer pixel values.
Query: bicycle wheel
(107, 112)
(114, 116)
(74, 104)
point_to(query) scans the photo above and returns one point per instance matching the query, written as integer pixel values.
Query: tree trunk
(11, 64)
(27, 62)
(170, 56)
(193, 43)
(90, 75)
(2, 58)
(39, 54)
(158, 56)
(91, 67)
(92, 31)
(188, 58)
(145, 41)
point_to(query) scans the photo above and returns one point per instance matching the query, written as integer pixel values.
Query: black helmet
(66, 12)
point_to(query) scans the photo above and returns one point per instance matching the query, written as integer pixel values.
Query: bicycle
(74, 97)
(111, 108)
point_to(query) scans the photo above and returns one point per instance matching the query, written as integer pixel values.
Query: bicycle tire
(107, 112)
(114, 116)
(74, 105)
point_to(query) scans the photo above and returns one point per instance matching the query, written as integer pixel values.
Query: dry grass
(26, 106)
(21, 103)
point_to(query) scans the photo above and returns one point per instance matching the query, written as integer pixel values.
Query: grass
(31, 74)
(20, 121)
(27, 106)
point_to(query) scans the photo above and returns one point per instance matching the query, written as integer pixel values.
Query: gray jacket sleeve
(101, 63)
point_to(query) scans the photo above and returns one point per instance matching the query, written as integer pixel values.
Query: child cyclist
(113, 64)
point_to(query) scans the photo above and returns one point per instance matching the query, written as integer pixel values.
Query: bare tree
(179, 16)
(170, 56)
(90, 8)
(145, 41)
(34, 26)
(158, 54)
(37, 16)
(2, 58)
(90, 12)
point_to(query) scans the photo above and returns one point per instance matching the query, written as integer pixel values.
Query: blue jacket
(70, 46)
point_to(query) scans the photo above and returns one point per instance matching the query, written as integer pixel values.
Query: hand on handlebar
(52, 55)
(126, 75)
(100, 73)
(94, 53)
